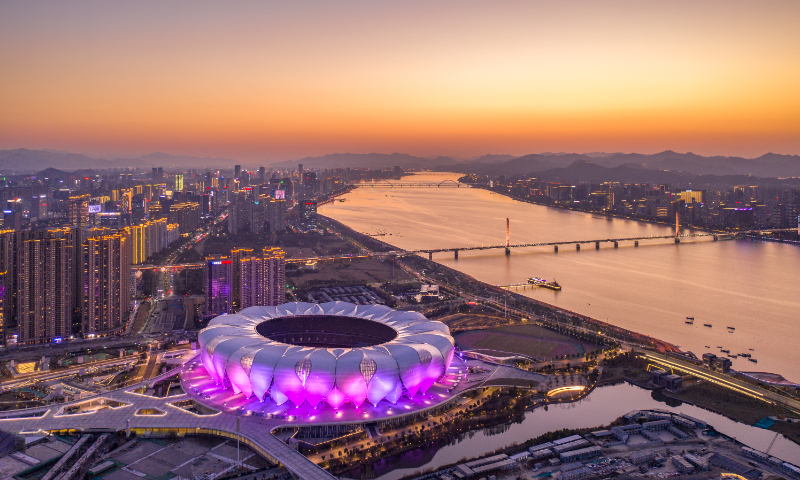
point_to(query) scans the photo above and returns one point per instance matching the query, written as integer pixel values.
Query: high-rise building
(179, 183)
(173, 233)
(186, 214)
(691, 196)
(45, 279)
(147, 239)
(105, 283)
(39, 205)
(79, 210)
(276, 215)
(237, 254)
(237, 172)
(7, 282)
(138, 243)
(262, 174)
(308, 214)
(12, 219)
(263, 280)
(158, 174)
(219, 285)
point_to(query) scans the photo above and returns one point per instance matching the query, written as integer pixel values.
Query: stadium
(335, 353)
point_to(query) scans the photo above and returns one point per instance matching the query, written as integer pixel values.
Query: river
(751, 286)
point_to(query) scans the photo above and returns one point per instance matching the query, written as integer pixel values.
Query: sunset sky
(282, 80)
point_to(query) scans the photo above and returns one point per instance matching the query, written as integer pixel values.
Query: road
(723, 380)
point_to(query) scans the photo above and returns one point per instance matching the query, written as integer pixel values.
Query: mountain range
(768, 165)
(22, 160)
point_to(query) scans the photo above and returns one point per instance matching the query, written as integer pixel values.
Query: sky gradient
(274, 81)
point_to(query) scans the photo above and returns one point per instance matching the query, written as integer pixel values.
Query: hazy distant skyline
(279, 81)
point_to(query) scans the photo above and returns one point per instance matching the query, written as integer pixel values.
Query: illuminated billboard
(95, 208)
(280, 194)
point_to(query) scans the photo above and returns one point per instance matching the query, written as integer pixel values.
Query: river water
(600, 407)
(751, 286)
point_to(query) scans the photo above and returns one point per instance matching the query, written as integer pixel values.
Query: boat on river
(541, 282)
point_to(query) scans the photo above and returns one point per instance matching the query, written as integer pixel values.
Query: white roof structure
(335, 352)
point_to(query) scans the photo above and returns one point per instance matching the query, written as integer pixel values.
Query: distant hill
(769, 165)
(367, 160)
(22, 160)
(583, 171)
(161, 159)
(492, 158)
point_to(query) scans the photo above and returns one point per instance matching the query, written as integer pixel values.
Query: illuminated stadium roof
(336, 352)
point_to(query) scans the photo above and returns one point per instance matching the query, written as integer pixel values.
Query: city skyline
(258, 82)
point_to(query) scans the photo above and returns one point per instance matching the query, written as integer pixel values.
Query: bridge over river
(507, 247)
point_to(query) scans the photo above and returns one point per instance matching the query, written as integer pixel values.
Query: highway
(723, 380)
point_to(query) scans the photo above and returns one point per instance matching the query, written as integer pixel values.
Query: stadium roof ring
(334, 352)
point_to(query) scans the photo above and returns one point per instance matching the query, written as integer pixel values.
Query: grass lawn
(528, 340)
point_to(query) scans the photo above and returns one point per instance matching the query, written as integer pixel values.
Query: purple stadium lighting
(333, 352)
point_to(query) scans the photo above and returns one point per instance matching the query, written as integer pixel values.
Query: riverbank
(599, 213)
(708, 396)
(737, 407)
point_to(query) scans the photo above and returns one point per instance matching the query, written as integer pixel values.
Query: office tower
(287, 186)
(45, 279)
(308, 214)
(237, 172)
(309, 182)
(79, 210)
(39, 204)
(276, 215)
(158, 174)
(206, 203)
(262, 174)
(105, 282)
(12, 219)
(398, 172)
(262, 279)
(219, 285)
(299, 171)
(178, 183)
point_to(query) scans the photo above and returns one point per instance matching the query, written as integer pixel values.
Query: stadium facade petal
(333, 352)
